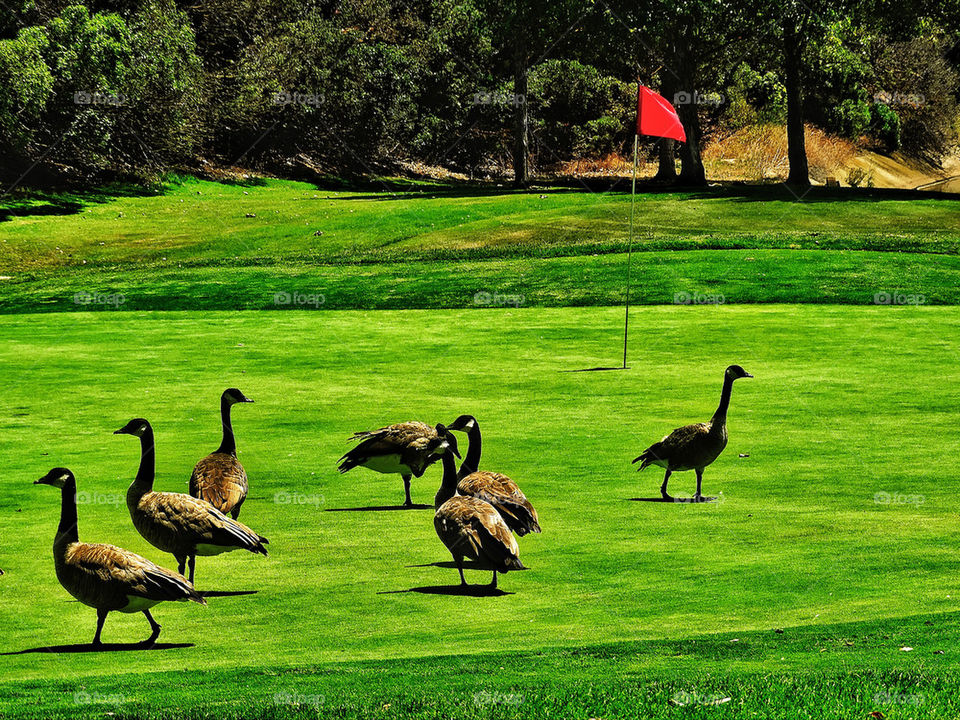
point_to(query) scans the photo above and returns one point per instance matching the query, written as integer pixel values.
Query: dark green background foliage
(352, 87)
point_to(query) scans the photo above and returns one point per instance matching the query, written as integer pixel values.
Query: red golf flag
(656, 116)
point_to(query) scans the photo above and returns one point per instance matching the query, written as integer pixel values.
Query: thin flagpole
(633, 202)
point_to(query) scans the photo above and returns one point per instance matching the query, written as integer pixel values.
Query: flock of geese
(477, 511)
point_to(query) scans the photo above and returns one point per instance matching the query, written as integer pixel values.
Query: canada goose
(494, 488)
(407, 449)
(175, 522)
(220, 478)
(693, 447)
(473, 528)
(106, 577)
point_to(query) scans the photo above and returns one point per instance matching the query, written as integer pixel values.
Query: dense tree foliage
(355, 86)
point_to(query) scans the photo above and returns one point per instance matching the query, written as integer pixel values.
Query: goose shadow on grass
(225, 593)
(381, 508)
(477, 590)
(687, 500)
(105, 647)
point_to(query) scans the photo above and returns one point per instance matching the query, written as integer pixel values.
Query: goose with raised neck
(694, 447)
(106, 577)
(219, 478)
(176, 522)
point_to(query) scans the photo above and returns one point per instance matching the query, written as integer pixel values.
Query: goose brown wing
(674, 445)
(503, 494)
(473, 528)
(198, 522)
(124, 573)
(408, 439)
(220, 479)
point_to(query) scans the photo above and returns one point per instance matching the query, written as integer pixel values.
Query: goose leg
(663, 488)
(193, 562)
(406, 488)
(493, 583)
(181, 563)
(154, 630)
(698, 497)
(101, 619)
(459, 562)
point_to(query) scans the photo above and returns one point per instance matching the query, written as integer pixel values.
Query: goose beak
(246, 399)
(119, 432)
(748, 375)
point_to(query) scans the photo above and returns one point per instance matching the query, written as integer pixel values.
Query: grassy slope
(798, 541)
(432, 246)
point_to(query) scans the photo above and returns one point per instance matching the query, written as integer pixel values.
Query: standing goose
(494, 488)
(105, 577)
(177, 523)
(407, 449)
(473, 528)
(220, 478)
(693, 447)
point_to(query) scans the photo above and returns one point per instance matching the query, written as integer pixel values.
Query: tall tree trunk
(793, 45)
(667, 170)
(521, 143)
(691, 165)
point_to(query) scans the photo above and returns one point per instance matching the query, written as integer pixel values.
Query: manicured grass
(850, 407)
(193, 246)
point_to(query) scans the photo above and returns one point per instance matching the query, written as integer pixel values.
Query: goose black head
(233, 395)
(137, 427)
(735, 372)
(446, 441)
(464, 423)
(58, 478)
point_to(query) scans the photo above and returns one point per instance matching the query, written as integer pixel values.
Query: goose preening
(175, 522)
(473, 528)
(406, 449)
(220, 478)
(494, 488)
(693, 447)
(105, 577)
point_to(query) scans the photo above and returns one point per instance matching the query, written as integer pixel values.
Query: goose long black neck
(67, 530)
(448, 485)
(148, 461)
(471, 463)
(228, 444)
(720, 416)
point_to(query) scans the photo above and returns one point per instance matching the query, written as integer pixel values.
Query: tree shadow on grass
(381, 508)
(105, 647)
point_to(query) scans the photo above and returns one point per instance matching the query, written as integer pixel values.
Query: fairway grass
(836, 515)
(196, 245)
